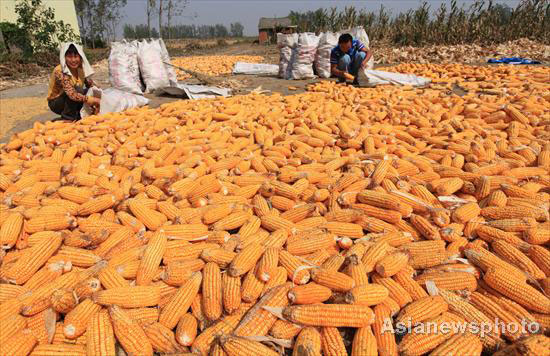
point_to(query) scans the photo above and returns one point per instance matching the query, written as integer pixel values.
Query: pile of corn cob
(316, 222)
(501, 79)
(211, 65)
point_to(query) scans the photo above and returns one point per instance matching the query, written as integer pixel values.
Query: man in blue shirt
(348, 57)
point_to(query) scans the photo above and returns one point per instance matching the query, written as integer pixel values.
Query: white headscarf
(86, 67)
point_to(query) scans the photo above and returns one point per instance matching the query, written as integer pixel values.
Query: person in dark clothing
(69, 83)
(348, 57)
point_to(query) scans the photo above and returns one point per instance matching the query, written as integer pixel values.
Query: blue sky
(249, 11)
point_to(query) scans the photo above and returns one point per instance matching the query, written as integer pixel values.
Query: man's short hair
(345, 38)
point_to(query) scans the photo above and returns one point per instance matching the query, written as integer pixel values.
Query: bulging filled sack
(286, 43)
(302, 64)
(327, 41)
(151, 66)
(172, 77)
(124, 67)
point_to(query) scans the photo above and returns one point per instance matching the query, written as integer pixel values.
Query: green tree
(236, 29)
(37, 22)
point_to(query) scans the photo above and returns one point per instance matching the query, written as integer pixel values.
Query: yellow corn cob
(392, 264)
(251, 287)
(493, 310)
(143, 314)
(385, 338)
(424, 254)
(186, 330)
(232, 221)
(453, 280)
(272, 223)
(257, 320)
(541, 257)
(181, 301)
(42, 325)
(151, 258)
(100, 338)
(20, 344)
(161, 338)
(76, 321)
(310, 293)
(334, 280)
(422, 309)
(234, 345)
(152, 219)
(418, 344)
(211, 291)
(245, 260)
(380, 200)
(517, 258)
(10, 229)
(129, 333)
(11, 326)
(459, 344)
(466, 213)
(396, 292)
(333, 263)
(369, 294)
(128, 297)
(283, 329)
(63, 301)
(97, 205)
(79, 257)
(364, 342)
(336, 315)
(470, 313)
(404, 278)
(32, 259)
(518, 291)
(374, 254)
(308, 342)
(332, 343)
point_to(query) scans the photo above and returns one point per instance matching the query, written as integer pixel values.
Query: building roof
(269, 22)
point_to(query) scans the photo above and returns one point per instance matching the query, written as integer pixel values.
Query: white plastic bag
(166, 59)
(151, 66)
(302, 64)
(124, 67)
(327, 41)
(113, 100)
(286, 42)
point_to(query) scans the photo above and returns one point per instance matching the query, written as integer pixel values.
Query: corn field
(482, 22)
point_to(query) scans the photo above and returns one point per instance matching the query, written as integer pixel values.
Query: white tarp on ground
(113, 100)
(194, 92)
(255, 68)
(376, 77)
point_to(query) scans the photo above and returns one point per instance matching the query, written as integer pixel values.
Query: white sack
(255, 68)
(302, 63)
(327, 41)
(166, 59)
(124, 67)
(151, 66)
(113, 100)
(286, 42)
(194, 92)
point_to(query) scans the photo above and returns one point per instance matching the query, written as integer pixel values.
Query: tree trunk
(148, 18)
(160, 18)
(169, 19)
